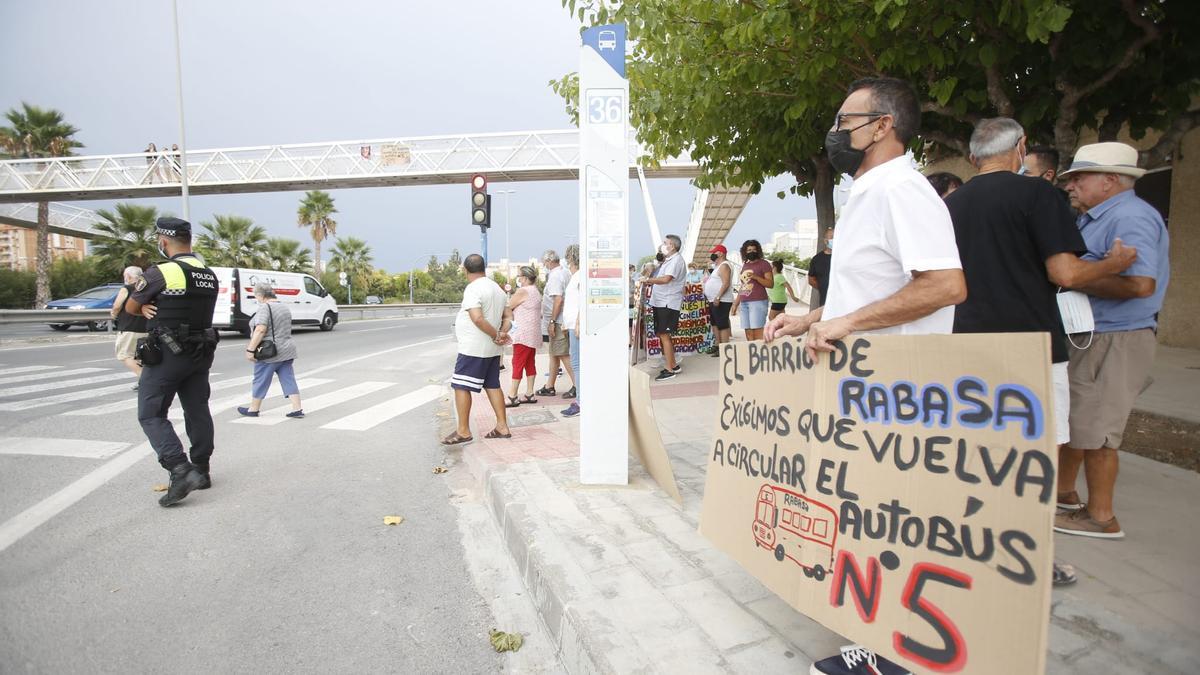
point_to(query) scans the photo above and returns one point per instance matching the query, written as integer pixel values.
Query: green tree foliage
(790, 258)
(233, 241)
(750, 88)
(352, 256)
(127, 237)
(18, 289)
(288, 255)
(69, 276)
(316, 213)
(329, 280)
(35, 133)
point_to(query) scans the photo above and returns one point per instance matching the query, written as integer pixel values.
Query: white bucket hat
(1106, 158)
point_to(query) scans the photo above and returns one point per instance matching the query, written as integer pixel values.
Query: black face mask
(659, 256)
(752, 255)
(713, 257)
(844, 157)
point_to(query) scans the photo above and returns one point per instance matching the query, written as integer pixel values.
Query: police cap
(174, 227)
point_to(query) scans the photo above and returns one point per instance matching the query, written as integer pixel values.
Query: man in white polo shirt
(895, 268)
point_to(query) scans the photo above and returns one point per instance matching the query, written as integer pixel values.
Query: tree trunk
(823, 195)
(317, 257)
(42, 266)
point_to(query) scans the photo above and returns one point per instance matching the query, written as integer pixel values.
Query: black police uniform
(184, 291)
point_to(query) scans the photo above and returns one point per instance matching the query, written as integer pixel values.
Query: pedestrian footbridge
(426, 160)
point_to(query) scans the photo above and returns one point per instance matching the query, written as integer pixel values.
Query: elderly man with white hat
(1107, 374)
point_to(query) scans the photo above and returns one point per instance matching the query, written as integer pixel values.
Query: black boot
(203, 470)
(184, 479)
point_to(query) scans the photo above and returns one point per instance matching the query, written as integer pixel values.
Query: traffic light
(481, 202)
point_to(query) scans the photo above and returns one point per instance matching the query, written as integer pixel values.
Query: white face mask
(665, 250)
(829, 244)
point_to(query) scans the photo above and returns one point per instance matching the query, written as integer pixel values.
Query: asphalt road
(285, 564)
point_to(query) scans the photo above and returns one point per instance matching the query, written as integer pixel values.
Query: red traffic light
(479, 182)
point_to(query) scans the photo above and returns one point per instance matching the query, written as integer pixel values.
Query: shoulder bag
(267, 349)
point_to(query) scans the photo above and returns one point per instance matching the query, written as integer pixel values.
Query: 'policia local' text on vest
(189, 296)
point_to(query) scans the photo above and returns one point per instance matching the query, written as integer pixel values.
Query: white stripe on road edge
(63, 384)
(26, 369)
(228, 403)
(377, 414)
(131, 404)
(31, 518)
(276, 415)
(65, 398)
(59, 447)
(60, 373)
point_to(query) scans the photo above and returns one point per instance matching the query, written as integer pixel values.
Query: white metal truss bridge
(426, 160)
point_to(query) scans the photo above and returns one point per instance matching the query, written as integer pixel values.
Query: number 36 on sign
(605, 106)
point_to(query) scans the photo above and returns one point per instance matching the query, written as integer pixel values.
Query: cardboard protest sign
(899, 491)
(694, 333)
(644, 438)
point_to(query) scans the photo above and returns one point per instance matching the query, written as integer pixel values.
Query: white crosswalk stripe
(25, 369)
(276, 415)
(131, 404)
(58, 373)
(378, 414)
(64, 384)
(67, 397)
(59, 447)
(230, 402)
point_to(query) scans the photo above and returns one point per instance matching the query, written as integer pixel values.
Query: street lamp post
(507, 259)
(183, 169)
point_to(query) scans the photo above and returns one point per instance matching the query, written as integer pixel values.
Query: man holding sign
(896, 267)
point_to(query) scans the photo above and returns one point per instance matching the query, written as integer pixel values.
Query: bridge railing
(433, 158)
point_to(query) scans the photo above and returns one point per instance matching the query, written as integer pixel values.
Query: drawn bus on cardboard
(795, 527)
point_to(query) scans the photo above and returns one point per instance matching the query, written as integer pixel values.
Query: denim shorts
(753, 313)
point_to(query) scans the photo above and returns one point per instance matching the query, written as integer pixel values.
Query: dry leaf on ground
(160, 488)
(439, 469)
(506, 642)
(393, 520)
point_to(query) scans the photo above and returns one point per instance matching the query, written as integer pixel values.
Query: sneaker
(714, 352)
(1081, 522)
(1069, 501)
(1064, 574)
(677, 369)
(134, 388)
(664, 374)
(246, 412)
(856, 660)
(571, 410)
(296, 414)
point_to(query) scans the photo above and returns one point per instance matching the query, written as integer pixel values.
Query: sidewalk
(624, 582)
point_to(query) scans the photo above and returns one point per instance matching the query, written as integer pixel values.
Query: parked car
(373, 300)
(310, 303)
(100, 297)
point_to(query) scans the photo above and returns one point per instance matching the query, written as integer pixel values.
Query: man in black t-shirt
(1017, 240)
(818, 271)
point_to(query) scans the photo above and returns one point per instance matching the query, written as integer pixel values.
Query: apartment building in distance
(18, 247)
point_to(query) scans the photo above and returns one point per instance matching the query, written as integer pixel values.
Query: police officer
(177, 296)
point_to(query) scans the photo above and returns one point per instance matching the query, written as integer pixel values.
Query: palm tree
(234, 241)
(127, 236)
(315, 212)
(352, 256)
(286, 255)
(38, 132)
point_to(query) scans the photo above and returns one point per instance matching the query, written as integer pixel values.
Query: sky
(274, 72)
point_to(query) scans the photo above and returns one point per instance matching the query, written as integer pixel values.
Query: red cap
(719, 248)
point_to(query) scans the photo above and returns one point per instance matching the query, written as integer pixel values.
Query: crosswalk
(330, 404)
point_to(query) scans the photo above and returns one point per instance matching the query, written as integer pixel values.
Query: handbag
(267, 349)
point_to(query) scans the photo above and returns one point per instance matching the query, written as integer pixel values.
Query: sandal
(495, 433)
(546, 391)
(1064, 574)
(512, 402)
(528, 398)
(570, 393)
(455, 439)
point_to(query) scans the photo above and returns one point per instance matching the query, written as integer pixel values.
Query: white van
(310, 303)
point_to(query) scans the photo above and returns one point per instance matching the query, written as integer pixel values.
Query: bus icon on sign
(608, 40)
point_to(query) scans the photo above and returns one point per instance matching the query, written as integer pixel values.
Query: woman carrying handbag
(272, 351)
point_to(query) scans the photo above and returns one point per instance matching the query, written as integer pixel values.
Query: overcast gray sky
(298, 71)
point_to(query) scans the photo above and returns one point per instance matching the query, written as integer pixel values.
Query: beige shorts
(559, 345)
(1106, 378)
(127, 344)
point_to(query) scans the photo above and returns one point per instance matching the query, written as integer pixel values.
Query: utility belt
(198, 343)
